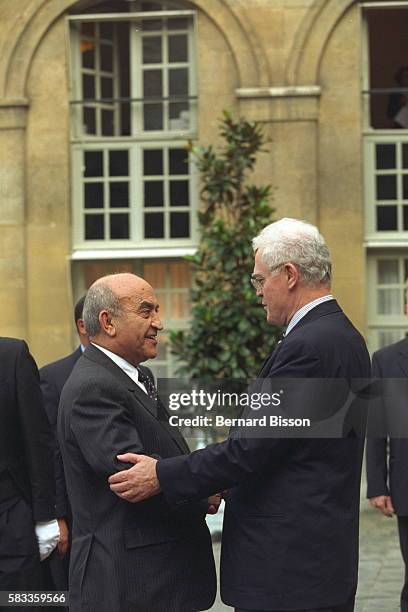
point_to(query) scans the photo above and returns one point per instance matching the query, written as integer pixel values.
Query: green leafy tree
(228, 335)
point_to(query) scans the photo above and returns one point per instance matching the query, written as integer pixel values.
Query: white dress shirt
(124, 365)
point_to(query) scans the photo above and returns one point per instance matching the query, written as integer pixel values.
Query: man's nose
(156, 322)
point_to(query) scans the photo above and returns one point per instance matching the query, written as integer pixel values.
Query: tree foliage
(228, 335)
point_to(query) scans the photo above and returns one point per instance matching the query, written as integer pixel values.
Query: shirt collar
(299, 314)
(122, 363)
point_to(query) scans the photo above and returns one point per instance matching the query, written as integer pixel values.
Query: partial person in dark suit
(290, 537)
(28, 529)
(148, 557)
(386, 455)
(52, 378)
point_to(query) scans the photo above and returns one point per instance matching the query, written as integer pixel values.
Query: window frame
(136, 219)
(390, 322)
(135, 142)
(365, 8)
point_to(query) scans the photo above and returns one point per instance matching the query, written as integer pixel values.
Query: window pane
(150, 25)
(106, 58)
(385, 156)
(119, 194)
(386, 218)
(180, 274)
(179, 116)
(88, 54)
(152, 83)
(179, 23)
(405, 155)
(178, 81)
(154, 225)
(88, 86)
(386, 187)
(155, 274)
(389, 336)
(93, 161)
(178, 161)
(387, 271)
(389, 302)
(178, 50)
(179, 225)
(153, 117)
(405, 186)
(152, 49)
(107, 87)
(153, 193)
(108, 128)
(106, 30)
(94, 227)
(179, 193)
(88, 28)
(89, 119)
(118, 163)
(179, 306)
(152, 162)
(93, 195)
(119, 226)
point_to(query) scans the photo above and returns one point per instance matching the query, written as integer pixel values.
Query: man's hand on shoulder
(138, 482)
(384, 504)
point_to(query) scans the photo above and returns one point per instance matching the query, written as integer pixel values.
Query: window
(387, 299)
(133, 110)
(385, 65)
(386, 189)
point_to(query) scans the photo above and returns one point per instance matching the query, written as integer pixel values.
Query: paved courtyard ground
(381, 568)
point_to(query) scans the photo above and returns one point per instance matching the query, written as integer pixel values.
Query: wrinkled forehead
(138, 293)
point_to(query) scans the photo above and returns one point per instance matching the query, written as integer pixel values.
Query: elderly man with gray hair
(290, 538)
(126, 558)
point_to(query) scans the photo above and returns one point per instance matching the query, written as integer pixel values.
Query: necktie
(152, 393)
(149, 386)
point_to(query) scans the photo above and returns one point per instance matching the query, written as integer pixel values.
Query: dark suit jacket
(142, 557)
(389, 475)
(26, 466)
(290, 537)
(53, 377)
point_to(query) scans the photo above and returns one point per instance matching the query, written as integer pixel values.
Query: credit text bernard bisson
(207, 401)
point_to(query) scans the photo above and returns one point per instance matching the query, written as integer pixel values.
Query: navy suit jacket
(388, 475)
(290, 537)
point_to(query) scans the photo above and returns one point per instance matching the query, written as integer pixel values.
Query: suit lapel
(100, 358)
(266, 366)
(141, 398)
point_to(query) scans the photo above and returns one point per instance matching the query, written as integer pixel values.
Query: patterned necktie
(148, 385)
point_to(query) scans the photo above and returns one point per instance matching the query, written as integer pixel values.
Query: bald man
(125, 557)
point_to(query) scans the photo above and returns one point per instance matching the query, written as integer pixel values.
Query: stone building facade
(98, 100)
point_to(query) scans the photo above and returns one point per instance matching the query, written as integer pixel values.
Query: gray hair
(297, 242)
(99, 297)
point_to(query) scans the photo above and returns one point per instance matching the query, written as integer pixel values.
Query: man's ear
(292, 275)
(106, 323)
(80, 325)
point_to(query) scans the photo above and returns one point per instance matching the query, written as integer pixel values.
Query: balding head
(121, 313)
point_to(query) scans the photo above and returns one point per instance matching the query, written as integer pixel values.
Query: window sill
(138, 253)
